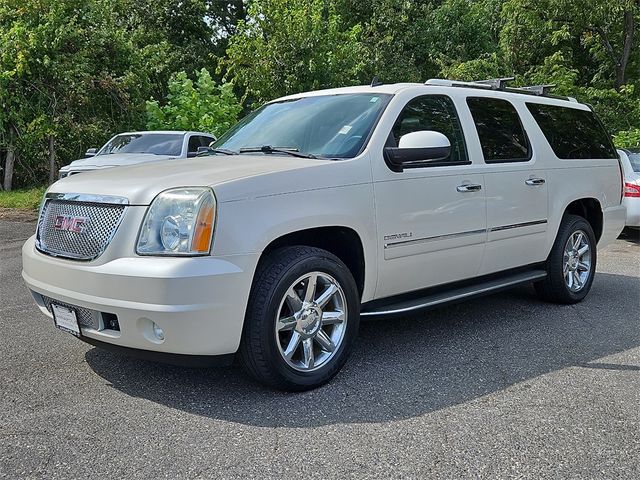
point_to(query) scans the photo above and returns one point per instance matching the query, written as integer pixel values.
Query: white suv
(322, 208)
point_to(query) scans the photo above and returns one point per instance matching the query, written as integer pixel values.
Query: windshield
(634, 158)
(332, 126)
(155, 143)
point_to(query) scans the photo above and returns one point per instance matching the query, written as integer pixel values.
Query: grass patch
(28, 199)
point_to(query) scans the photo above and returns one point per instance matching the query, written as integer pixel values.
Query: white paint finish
(201, 314)
(141, 183)
(348, 206)
(425, 203)
(510, 202)
(424, 139)
(632, 204)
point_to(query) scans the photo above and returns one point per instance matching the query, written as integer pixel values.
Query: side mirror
(203, 150)
(416, 149)
(191, 154)
(90, 152)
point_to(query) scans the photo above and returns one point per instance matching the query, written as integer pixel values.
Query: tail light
(631, 190)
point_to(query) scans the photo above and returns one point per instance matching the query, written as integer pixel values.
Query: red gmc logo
(70, 223)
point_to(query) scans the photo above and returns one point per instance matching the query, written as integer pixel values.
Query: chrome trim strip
(434, 238)
(87, 198)
(517, 225)
(535, 275)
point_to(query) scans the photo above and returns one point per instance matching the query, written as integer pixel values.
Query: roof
(176, 132)
(441, 87)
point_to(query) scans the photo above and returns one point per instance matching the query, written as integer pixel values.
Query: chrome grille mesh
(102, 220)
(86, 318)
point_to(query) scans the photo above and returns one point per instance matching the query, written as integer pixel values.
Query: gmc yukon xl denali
(320, 209)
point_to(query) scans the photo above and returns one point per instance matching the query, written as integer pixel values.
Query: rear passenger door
(516, 186)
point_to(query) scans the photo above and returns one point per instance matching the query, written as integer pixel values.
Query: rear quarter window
(572, 133)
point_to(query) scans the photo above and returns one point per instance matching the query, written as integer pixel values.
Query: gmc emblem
(70, 223)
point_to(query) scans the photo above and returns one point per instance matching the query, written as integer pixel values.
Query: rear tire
(296, 336)
(571, 264)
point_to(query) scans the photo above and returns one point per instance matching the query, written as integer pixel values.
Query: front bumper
(199, 302)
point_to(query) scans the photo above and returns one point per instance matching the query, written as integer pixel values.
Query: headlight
(179, 222)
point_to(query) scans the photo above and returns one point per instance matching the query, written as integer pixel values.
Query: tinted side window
(502, 136)
(205, 141)
(194, 143)
(432, 112)
(572, 133)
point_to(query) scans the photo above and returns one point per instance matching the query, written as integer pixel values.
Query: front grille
(98, 221)
(86, 318)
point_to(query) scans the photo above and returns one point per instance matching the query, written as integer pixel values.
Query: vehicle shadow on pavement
(410, 366)
(631, 235)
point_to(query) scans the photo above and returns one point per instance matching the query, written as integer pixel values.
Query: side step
(453, 294)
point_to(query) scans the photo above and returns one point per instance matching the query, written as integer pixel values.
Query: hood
(141, 183)
(114, 160)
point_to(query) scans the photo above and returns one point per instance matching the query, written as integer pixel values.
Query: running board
(455, 294)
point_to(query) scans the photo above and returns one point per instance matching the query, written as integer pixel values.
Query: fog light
(158, 332)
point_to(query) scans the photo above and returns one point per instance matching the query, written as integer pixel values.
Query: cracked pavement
(498, 387)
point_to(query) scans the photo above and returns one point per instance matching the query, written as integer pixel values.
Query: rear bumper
(633, 211)
(613, 221)
(198, 302)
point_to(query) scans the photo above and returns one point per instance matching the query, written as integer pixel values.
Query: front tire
(571, 264)
(302, 319)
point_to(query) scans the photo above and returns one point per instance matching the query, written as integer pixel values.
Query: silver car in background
(630, 160)
(140, 147)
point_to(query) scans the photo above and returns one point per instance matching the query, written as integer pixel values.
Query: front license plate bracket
(65, 319)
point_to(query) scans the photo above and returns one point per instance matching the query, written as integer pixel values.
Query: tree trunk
(8, 167)
(52, 160)
(621, 66)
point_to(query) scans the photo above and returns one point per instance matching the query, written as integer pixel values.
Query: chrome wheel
(311, 321)
(577, 261)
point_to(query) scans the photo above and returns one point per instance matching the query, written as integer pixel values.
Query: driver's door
(431, 217)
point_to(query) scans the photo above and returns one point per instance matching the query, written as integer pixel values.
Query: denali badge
(398, 236)
(70, 223)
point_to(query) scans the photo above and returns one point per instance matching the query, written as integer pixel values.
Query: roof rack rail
(501, 84)
(538, 89)
(496, 83)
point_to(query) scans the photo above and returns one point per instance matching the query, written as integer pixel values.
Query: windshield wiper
(269, 149)
(210, 150)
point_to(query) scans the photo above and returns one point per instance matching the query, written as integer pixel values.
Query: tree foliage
(201, 106)
(285, 46)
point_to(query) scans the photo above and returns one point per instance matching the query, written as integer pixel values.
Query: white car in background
(139, 147)
(630, 160)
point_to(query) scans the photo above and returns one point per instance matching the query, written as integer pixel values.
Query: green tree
(65, 67)
(203, 106)
(288, 46)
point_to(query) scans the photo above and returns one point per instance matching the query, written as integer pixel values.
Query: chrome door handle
(471, 187)
(534, 181)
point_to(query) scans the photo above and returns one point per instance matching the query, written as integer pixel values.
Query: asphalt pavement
(498, 387)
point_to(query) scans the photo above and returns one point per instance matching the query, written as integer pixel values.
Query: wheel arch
(590, 209)
(344, 242)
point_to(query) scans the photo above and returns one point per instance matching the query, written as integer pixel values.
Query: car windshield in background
(155, 143)
(330, 126)
(634, 158)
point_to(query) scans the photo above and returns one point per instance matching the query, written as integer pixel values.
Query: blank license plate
(65, 319)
